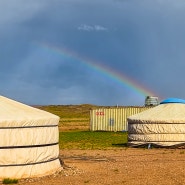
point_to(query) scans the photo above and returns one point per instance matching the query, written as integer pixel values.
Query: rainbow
(100, 68)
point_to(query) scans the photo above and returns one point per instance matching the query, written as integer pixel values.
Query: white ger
(28, 141)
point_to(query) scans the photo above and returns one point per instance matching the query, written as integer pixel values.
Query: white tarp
(163, 125)
(29, 141)
(30, 171)
(15, 114)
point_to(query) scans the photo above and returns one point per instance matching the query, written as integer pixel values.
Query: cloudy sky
(103, 52)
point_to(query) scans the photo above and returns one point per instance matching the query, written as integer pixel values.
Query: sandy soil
(118, 166)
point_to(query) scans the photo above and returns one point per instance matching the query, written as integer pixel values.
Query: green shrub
(10, 181)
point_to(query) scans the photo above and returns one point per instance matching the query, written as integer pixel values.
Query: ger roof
(169, 111)
(172, 100)
(16, 114)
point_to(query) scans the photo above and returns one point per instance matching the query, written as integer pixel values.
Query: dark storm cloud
(142, 39)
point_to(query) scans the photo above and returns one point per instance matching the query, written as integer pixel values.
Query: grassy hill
(72, 117)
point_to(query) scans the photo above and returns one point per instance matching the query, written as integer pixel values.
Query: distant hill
(72, 111)
(69, 111)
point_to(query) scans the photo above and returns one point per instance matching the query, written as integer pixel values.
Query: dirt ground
(131, 166)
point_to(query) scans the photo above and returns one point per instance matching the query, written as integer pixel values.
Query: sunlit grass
(92, 140)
